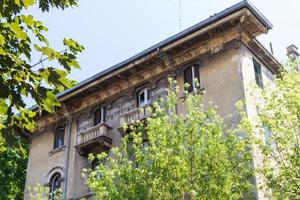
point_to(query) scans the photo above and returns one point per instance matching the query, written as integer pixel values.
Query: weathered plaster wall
(222, 75)
(43, 163)
(251, 110)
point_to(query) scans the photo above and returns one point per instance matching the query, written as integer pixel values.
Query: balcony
(94, 140)
(134, 115)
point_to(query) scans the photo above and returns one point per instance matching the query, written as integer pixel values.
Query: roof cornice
(216, 17)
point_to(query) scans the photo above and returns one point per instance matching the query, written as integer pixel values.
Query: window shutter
(104, 114)
(55, 144)
(197, 76)
(148, 95)
(137, 99)
(97, 116)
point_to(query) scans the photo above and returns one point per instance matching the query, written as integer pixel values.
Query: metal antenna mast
(179, 18)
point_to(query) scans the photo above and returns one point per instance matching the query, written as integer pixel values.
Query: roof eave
(214, 18)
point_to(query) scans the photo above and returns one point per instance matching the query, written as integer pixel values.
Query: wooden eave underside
(207, 40)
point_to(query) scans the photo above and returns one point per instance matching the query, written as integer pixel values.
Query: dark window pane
(97, 116)
(103, 114)
(142, 98)
(55, 184)
(188, 79)
(257, 71)
(59, 136)
(95, 164)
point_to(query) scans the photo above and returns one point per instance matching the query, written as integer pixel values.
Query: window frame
(55, 177)
(258, 73)
(195, 74)
(84, 117)
(102, 110)
(59, 136)
(147, 97)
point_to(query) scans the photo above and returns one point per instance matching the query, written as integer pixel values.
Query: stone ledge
(57, 150)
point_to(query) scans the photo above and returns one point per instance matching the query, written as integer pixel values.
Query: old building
(221, 51)
(293, 54)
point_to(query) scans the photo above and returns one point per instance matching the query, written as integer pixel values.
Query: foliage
(13, 162)
(278, 138)
(175, 157)
(18, 79)
(42, 193)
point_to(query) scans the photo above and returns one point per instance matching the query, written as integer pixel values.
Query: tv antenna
(179, 13)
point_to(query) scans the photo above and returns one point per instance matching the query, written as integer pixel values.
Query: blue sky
(115, 30)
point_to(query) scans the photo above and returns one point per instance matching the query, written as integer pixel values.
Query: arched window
(143, 97)
(55, 185)
(191, 74)
(59, 136)
(83, 122)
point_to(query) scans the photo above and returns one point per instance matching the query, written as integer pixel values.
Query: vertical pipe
(69, 128)
(271, 48)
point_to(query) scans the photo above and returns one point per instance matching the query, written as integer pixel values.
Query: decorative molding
(58, 169)
(214, 44)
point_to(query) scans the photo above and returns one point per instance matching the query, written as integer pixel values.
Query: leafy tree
(172, 156)
(39, 192)
(13, 162)
(276, 131)
(18, 78)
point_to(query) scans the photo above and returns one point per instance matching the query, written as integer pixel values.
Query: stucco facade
(223, 52)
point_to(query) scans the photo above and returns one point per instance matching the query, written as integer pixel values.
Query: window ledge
(198, 91)
(57, 150)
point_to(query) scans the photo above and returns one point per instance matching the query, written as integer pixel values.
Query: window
(191, 74)
(59, 136)
(55, 184)
(99, 116)
(95, 167)
(83, 122)
(132, 153)
(145, 145)
(267, 136)
(143, 97)
(257, 71)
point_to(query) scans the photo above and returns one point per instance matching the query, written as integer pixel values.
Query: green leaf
(3, 107)
(74, 64)
(28, 20)
(2, 52)
(2, 40)
(15, 27)
(73, 45)
(28, 3)
(18, 2)
(50, 102)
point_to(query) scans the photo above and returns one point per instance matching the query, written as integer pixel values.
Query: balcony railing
(135, 115)
(90, 140)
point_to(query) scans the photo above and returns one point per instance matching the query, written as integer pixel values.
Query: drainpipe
(68, 147)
